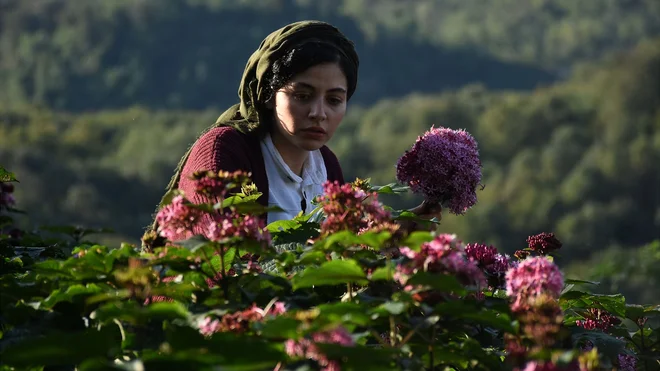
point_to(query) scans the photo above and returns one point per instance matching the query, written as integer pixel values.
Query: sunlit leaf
(331, 273)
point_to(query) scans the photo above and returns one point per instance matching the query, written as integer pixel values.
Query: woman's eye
(335, 101)
(301, 96)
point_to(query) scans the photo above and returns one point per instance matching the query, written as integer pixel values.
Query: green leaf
(374, 239)
(292, 231)
(64, 348)
(605, 343)
(384, 273)
(578, 282)
(74, 292)
(331, 273)
(474, 314)
(415, 239)
(194, 243)
(391, 188)
(134, 313)
(360, 357)
(636, 311)
(7, 176)
(392, 307)
(440, 282)
(344, 313)
(279, 328)
(230, 351)
(168, 197)
(282, 225)
(614, 304)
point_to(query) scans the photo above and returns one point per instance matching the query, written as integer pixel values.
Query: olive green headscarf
(252, 91)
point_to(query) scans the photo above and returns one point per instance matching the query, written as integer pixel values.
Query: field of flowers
(355, 285)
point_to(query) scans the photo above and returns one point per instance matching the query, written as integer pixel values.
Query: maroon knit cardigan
(225, 148)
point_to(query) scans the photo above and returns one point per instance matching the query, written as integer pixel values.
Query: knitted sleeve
(332, 165)
(220, 148)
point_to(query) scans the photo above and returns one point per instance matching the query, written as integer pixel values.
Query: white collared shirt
(288, 190)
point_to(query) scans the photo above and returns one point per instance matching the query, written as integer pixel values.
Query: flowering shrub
(214, 288)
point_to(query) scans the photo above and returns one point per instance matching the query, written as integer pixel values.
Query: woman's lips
(314, 133)
(315, 130)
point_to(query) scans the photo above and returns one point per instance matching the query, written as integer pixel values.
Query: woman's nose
(317, 110)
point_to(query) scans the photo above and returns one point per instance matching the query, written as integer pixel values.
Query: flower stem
(431, 360)
(223, 279)
(392, 331)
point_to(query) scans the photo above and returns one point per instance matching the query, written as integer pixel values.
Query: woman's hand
(425, 210)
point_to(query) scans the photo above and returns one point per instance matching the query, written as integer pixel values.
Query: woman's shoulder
(332, 165)
(221, 147)
(223, 134)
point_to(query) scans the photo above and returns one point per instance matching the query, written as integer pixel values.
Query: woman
(293, 96)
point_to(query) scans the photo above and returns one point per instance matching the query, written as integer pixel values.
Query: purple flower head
(598, 319)
(444, 255)
(494, 264)
(218, 184)
(350, 208)
(532, 278)
(627, 362)
(226, 226)
(444, 166)
(543, 243)
(306, 347)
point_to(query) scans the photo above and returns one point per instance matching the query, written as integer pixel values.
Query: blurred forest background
(100, 98)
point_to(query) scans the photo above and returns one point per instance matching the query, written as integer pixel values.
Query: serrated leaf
(334, 272)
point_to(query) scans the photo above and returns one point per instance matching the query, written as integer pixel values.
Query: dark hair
(304, 56)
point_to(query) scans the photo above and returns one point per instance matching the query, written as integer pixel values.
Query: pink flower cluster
(218, 184)
(349, 208)
(445, 254)
(306, 348)
(6, 198)
(532, 278)
(177, 218)
(226, 226)
(444, 166)
(239, 322)
(598, 319)
(494, 264)
(543, 243)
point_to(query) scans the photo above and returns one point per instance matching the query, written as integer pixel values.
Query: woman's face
(310, 107)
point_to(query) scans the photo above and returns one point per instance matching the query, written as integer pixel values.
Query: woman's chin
(311, 144)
